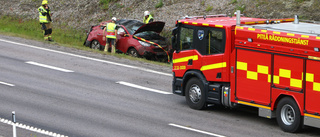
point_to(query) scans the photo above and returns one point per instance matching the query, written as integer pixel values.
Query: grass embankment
(62, 35)
(31, 29)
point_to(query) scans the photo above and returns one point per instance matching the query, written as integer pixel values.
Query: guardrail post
(14, 124)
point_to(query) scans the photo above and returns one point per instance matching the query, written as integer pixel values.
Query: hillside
(81, 14)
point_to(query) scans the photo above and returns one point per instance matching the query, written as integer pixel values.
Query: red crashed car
(134, 38)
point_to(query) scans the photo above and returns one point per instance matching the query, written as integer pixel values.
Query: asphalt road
(82, 94)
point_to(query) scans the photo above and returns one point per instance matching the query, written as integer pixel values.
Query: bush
(209, 8)
(241, 8)
(105, 3)
(160, 4)
(234, 1)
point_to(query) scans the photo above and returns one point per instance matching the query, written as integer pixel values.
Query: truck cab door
(185, 56)
(212, 49)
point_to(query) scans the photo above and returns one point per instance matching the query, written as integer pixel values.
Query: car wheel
(133, 52)
(195, 95)
(288, 115)
(95, 45)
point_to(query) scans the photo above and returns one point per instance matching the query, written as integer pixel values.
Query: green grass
(105, 3)
(31, 29)
(159, 4)
(209, 8)
(63, 36)
(203, 2)
(234, 1)
(241, 8)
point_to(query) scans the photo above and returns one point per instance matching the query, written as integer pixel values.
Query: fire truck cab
(269, 64)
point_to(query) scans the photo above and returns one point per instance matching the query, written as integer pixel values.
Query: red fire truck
(273, 65)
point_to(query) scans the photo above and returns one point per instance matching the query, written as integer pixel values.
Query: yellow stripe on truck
(214, 66)
(185, 59)
(313, 116)
(254, 105)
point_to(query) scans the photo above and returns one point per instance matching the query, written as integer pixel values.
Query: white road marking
(48, 66)
(89, 58)
(196, 130)
(141, 87)
(7, 84)
(34, 129)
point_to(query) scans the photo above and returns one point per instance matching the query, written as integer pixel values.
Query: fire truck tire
(288, 115)
(95, 45)
(195, 94)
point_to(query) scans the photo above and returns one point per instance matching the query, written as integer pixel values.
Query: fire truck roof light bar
(205, 16)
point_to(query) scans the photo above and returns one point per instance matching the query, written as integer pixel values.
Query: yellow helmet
(44, 2)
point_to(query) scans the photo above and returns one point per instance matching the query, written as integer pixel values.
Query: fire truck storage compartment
(288, 73)
(312, 95)
(312, 86)
(253, 76)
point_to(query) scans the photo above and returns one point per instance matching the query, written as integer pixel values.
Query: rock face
(81, 14)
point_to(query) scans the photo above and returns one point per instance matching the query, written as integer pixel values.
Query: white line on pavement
(30, 128)
(141, 87)
(196, 130)
(47, 66)
(88, 58)
(7, 84)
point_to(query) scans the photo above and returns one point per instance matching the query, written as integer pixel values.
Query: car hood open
(156, 26)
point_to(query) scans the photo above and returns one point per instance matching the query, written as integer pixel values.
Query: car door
(99, 34)
(123, 39)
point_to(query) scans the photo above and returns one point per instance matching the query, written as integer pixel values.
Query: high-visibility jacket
(43, 18)
(111, 28)
(146, 21)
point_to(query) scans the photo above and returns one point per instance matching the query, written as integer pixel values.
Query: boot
(50, 39)
(113, 49)
(106, 47)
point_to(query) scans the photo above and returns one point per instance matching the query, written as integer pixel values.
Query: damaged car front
(134, 38)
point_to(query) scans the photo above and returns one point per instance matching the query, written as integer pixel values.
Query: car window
(131, 25)
(120, 30)
(135, 28)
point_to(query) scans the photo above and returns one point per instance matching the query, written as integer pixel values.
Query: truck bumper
(177, 86)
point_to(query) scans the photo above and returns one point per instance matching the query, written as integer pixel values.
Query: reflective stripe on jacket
(146, 21)
(111, 28)
(42, 18)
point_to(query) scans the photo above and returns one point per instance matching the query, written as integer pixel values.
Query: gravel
(81, 14)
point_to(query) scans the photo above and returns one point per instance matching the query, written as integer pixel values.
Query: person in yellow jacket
(147, 17)
(45, 20)
(111, 36)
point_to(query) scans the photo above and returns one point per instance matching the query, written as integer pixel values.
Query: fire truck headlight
(250, 39)
(316, 49)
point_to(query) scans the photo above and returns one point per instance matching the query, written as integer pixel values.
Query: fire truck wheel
(195, 94)
(95, 45)
(288, 115)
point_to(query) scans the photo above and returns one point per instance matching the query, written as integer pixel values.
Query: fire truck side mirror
(175, 31)
(174, 39)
